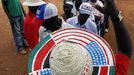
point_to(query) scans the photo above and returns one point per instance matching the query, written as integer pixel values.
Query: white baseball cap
(72, 51)
(86, 8)
(47, 11)
(33, 2)
(69, 2)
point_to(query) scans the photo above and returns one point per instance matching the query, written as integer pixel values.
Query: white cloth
(89, 24)
(74, 11)
(86, 8)
(96, 12)
(97, 3)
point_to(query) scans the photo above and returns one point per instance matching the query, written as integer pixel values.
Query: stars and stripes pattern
(41, 11)
(100, 51)
(46, 71)
(96, 53)
(40, 54)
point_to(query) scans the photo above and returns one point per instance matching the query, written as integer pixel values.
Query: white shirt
(89, 24)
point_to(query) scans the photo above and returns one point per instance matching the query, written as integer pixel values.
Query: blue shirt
(88, 25)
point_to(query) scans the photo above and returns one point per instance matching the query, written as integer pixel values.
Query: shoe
(30, 49)
(106, 30)
(22, 51)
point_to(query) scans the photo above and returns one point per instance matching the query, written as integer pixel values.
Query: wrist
(117, 18)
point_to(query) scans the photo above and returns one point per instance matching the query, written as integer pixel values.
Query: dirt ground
(14, 64)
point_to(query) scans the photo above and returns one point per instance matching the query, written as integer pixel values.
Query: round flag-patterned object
(47, 58)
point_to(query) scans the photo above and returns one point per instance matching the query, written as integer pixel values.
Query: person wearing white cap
(68, 10)
(77, 4)
(29, 29)
(48, 14)
(85, 19)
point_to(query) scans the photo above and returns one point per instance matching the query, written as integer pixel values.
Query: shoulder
(72, 19)
(67, 25)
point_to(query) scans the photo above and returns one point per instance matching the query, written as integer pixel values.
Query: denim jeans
(17, 30)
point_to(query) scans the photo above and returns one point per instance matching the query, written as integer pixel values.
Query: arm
(23, 10)
(4, 4)
(122, 35)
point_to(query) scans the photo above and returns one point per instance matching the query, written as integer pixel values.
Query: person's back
(29, 29)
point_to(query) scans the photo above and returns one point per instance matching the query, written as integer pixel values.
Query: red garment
(30, 32)
(122, 62)
(37, 23)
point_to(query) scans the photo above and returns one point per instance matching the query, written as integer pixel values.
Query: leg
(16, 30)
(21, 21)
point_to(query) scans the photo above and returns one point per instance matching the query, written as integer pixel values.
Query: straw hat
(33, 2)
(72, 51)
(69, 58)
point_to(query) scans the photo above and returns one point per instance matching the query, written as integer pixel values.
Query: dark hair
(33, 8)
(53, 23)
(77, 4)
(94, 1)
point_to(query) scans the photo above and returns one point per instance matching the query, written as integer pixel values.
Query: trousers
(17, 30)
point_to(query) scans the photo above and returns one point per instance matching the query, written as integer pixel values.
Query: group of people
(29, 29)
(97, 14)
(42, 19)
